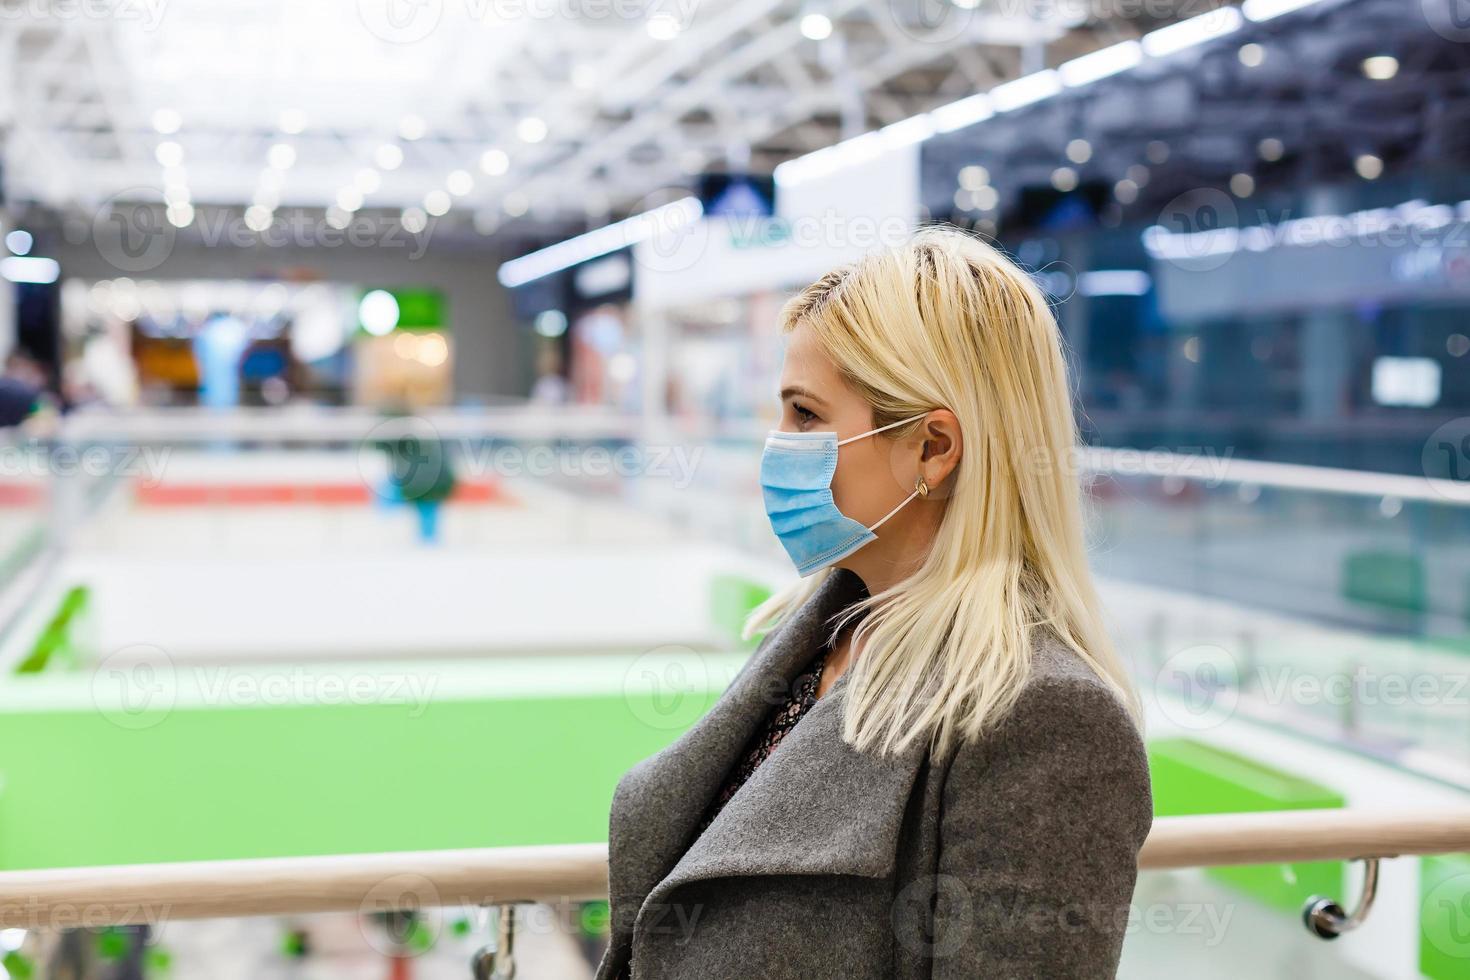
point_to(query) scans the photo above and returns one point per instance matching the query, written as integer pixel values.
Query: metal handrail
(521, 420)
(74, 897)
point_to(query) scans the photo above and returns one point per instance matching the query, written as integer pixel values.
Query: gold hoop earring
(921, 488)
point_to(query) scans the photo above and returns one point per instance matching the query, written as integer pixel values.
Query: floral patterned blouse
(781, 720)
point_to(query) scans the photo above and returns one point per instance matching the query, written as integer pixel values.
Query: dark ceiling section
(1195, 120)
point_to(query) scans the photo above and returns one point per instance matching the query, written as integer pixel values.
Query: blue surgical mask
(796, 481)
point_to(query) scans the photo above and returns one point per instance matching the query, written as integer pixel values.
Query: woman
(931, 766)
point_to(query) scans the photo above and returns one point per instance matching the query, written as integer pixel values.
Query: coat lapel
(658, 804)
(815, 806)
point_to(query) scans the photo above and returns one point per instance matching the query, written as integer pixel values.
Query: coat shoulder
(1067, 727)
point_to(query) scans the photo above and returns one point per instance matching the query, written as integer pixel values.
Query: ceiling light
(1187, 33)
(1079, 151)
(1101, 63)
(550, 323)
(1114, 282)
(377, 311)
(494, 162)
(460, 183)
(29, 269)
(965, 112)
(1064, 179)
(816, 27)
(973, 177)
(367, 180)
(167, 121)
(1381, 67)
(1242, 185)
(609, 238)
(515, 204)
(349, 199)
(436, 202)
(258, 217)
(1368, 166)
(412, 127)
(169, 154)
(531, 129)
(486, 222)
(281, 156)
(1271, 149)
(432, 350)
(1259, 10)
(1025, 90)
(292, 121)
(414, 220)
(663, 27)
(1251, 55)
(180, 215)
(388, 156)
(914, 129)
(19, 241)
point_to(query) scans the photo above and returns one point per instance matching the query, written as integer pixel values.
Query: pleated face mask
(796, 481)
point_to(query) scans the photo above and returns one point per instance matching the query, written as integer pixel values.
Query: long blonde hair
(947, 321)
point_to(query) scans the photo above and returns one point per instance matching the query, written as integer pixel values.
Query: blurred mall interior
(258, 253)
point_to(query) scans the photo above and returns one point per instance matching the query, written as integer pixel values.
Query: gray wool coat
(1013, 857)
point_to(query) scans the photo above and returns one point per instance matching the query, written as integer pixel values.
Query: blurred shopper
(22, 387)
(419, 474)
(931, 767)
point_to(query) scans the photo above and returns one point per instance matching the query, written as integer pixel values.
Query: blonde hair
(947, 321)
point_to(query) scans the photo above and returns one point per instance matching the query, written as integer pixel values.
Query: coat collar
(815, 806)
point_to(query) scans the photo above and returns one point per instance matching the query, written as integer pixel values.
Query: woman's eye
(802, 415)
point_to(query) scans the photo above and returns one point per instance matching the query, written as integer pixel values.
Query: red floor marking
(285, 494)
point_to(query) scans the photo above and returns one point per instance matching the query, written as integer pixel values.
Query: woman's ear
(943, 445)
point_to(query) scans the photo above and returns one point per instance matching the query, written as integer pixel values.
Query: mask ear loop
(921, 489)
(885, 428)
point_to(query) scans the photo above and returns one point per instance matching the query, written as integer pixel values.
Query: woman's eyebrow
(797, 392)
